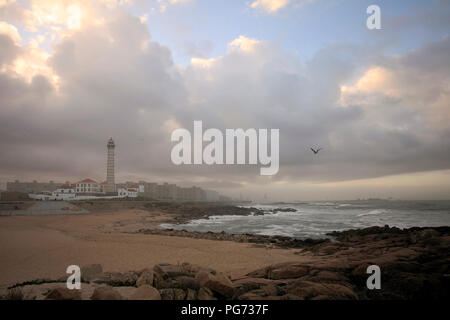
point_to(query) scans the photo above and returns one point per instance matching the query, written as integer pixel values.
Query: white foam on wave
(326, 204)
(284, 213)
(279, 230)
(211, 220)
(372, 212)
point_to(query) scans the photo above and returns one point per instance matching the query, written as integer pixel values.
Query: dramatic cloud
(373, 127)
(272, 6)
(374, 115)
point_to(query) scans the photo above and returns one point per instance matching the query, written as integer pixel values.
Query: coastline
(43, 246)
(128, 239)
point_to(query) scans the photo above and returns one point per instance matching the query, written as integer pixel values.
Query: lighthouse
(110, 184)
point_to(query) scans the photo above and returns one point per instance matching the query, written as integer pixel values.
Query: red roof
(134, 186)
(104, 182)
(88, 181)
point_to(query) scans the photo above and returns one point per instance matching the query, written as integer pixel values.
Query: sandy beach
(123, 243)
(43, 246)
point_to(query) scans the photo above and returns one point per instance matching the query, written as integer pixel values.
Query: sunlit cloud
(31, 61)
(425, 90)
(269, 5)
(273, 6)
(203, 62)
(34, 62)
(243, 43)
(376, 80)
(11, 31)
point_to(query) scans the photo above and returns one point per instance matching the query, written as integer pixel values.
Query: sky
(74, 73)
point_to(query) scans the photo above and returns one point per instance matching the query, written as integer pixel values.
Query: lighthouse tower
(110, 184)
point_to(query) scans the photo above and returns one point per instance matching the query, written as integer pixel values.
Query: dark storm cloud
(9, 49)
(115, 81)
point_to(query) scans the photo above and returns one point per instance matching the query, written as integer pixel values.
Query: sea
(317, 218)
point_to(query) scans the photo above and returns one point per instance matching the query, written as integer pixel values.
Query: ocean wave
(277, 230)
(283, 214)
(325, 204)
(372, 212)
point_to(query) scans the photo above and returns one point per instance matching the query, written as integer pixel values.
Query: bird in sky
(316, 151)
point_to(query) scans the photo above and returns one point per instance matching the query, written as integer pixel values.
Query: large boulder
(61, 293)
(247, 284)
(360, 271)
(423, 235)
(205, 294)
(126, 292)
(252, 295)
(169, 271)
(146, 277)
(91, 271)
(146, 292)
(193, 268)
(184, 282)
(287, 272)
(127, 279)
(218, 283)
(325, 276)
(160, 283)
(284, 270)
(191, 294)
(173, 294)
(179, 294)
(269, 290)
(167, 294)
(309, 290)
(259, 273)
(106, 293)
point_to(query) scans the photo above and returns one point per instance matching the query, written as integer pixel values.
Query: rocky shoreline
(184, 212)
(179, 212)
(258, 240)
(414, 264)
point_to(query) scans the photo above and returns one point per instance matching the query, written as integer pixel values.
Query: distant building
(129, 192)
(32, 187)
(167, 191)
(103, 186)
(150, 189)
(88, 186)
(65, 192)
(191, 194)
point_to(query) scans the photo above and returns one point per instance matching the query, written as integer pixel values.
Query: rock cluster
(414, 265)
(163, 281)
(260, 240)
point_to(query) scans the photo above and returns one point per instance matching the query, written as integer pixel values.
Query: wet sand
(43, 246)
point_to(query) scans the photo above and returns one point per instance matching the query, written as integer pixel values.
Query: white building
(88, 186)
(129, 192)
(65, 192)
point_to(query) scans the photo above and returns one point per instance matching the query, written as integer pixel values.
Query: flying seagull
(316, 151)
